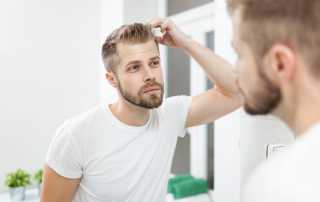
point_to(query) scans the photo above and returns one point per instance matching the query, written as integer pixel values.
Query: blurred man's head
(132, 60)
(278, 45)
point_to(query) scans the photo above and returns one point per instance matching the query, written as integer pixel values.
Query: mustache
(151, 84)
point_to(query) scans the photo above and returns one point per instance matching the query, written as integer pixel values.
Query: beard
(150, 102)
(266, 97)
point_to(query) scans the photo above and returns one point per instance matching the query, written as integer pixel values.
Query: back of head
(295, 23)
(129, 34)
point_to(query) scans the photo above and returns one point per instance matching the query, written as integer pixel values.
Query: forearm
(218, 70)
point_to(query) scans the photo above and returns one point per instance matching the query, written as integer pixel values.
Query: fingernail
(157, 32)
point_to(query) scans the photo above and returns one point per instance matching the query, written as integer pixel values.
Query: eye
(155, 63)
(133, 68)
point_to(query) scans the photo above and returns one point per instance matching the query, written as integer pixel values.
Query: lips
(150, 89)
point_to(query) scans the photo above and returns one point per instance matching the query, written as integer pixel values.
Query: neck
(129, 113)
(306, 115)
(302, 111)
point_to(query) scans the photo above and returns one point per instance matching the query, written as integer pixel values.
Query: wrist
(188, 44)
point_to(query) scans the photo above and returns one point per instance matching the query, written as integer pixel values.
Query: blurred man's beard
(150, 101)
(265, 99)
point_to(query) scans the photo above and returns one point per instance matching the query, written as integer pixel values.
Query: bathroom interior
(51, 69)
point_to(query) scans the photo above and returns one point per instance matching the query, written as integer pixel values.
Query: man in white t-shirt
(278, 43)
(122, 151)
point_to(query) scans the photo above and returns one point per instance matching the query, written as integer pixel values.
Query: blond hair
(131, 34)
(295, 23)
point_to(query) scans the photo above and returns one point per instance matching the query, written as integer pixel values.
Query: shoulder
(78, 125)
(260, 185)
(176, 102)
(275, 178)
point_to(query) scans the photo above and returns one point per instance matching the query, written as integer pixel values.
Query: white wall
(227, 131)
(50, 69)
(112, 17)
(140, 11)
(240, 139)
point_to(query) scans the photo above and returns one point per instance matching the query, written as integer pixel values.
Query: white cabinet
(31, 196)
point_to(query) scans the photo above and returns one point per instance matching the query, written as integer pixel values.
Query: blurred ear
(111, 77)
(282, 63)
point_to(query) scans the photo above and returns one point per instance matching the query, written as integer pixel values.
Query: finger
(164, 26)
(156, 22)
(160, 40)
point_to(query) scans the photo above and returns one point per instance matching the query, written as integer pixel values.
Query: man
(123, 151)
(278, 45)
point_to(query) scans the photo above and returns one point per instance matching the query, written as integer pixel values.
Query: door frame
(196, 23)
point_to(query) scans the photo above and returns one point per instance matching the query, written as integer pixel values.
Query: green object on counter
(189, 187)
(177, 179)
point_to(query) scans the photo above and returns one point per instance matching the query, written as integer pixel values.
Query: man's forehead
(131, 50)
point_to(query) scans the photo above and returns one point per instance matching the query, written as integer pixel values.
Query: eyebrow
(155, 58)
(133, 62)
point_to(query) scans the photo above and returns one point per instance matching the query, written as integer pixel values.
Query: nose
(148, 76)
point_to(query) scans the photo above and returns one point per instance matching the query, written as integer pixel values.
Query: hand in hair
(172, 35)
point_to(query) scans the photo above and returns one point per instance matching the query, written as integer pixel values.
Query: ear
(111, 77)
(282, 63)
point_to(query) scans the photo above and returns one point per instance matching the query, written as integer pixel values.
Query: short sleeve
(255, 189)
(64, 155)
(178, 108)
(277, 180)
(259, 186)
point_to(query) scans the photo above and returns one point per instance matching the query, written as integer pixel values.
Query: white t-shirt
(292, 175)
(117, 162)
